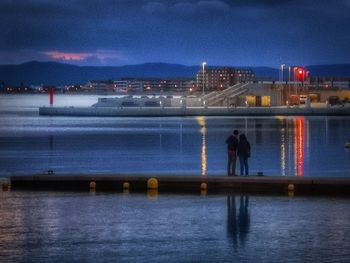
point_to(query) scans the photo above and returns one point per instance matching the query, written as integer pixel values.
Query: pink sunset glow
(67, 56)
(101, 55)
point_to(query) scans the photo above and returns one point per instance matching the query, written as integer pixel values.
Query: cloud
(58, 55)
(103, 56)
(117, 31)
(213, 5)
(186, 7)
(154, 7)
(20, 56)
(347, 3)
(258, 3)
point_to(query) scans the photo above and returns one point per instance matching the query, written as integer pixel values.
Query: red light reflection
(299, 145)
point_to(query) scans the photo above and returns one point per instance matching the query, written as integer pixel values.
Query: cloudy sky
(220, 32)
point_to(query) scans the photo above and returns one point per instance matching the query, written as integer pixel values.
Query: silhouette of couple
(237, 146)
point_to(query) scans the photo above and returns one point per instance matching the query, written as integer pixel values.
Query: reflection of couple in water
(238, 224)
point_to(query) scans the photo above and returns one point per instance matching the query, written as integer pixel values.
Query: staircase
(217, 97)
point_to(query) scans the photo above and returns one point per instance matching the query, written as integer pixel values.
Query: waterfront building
(17, 89)
(160, 85)
(100, 86)
(222, 78)
(146, 85)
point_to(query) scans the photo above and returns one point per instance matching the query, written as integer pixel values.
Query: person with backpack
(243, 152)
(232, 144)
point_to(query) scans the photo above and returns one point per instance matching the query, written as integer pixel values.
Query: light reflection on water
(201, 122)
(297, 146)
(80, 227)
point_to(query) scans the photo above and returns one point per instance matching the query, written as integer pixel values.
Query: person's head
(235, 132)
(242, 137)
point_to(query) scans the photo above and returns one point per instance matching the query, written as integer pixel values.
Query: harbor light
(203, 64)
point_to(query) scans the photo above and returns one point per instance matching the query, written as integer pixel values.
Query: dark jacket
(243, 148)
(232, 143)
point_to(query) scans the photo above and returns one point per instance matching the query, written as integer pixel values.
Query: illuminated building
(221, 78)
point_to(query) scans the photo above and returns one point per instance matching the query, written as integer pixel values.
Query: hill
(52, 73)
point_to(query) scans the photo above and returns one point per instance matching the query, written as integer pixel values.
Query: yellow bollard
(152, 183)
(126, 186)
(290, 187)
(5, 186)
(204, 188)
(92, 186)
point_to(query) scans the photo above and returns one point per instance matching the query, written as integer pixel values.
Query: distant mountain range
(52, 73)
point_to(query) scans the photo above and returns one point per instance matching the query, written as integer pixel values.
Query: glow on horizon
(67, 56)
(100, 55)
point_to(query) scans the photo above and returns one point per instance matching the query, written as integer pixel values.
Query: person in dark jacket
(232, 144)
(243, 152)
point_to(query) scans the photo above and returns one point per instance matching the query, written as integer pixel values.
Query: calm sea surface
(296, 146)
(120, 227)
(83, 227)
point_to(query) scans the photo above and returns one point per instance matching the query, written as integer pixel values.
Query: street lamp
(295, 80)
(282, 68)
(289, 68)
(203, 64)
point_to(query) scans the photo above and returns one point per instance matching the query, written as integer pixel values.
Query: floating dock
(194, 111)
(185, 184)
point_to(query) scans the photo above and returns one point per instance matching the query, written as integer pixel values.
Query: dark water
(83, 227)
(96, 227)
(296, 146)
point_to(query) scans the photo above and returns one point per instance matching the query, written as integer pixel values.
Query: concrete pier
(187, 184)
(194, 111)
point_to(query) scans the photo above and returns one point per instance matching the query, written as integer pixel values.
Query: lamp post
(203, 64)
(289, 68)
(282, 68)
(295, 80)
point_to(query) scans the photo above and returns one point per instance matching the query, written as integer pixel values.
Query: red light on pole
(300, 73)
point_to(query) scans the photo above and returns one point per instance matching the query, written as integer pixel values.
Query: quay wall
(183, 184)
(194, 111)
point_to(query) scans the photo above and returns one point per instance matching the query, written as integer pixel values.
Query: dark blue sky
(220, 32)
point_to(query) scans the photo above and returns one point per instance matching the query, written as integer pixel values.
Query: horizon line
(165, 63)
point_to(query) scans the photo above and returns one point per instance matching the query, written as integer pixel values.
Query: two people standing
(237, 147)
